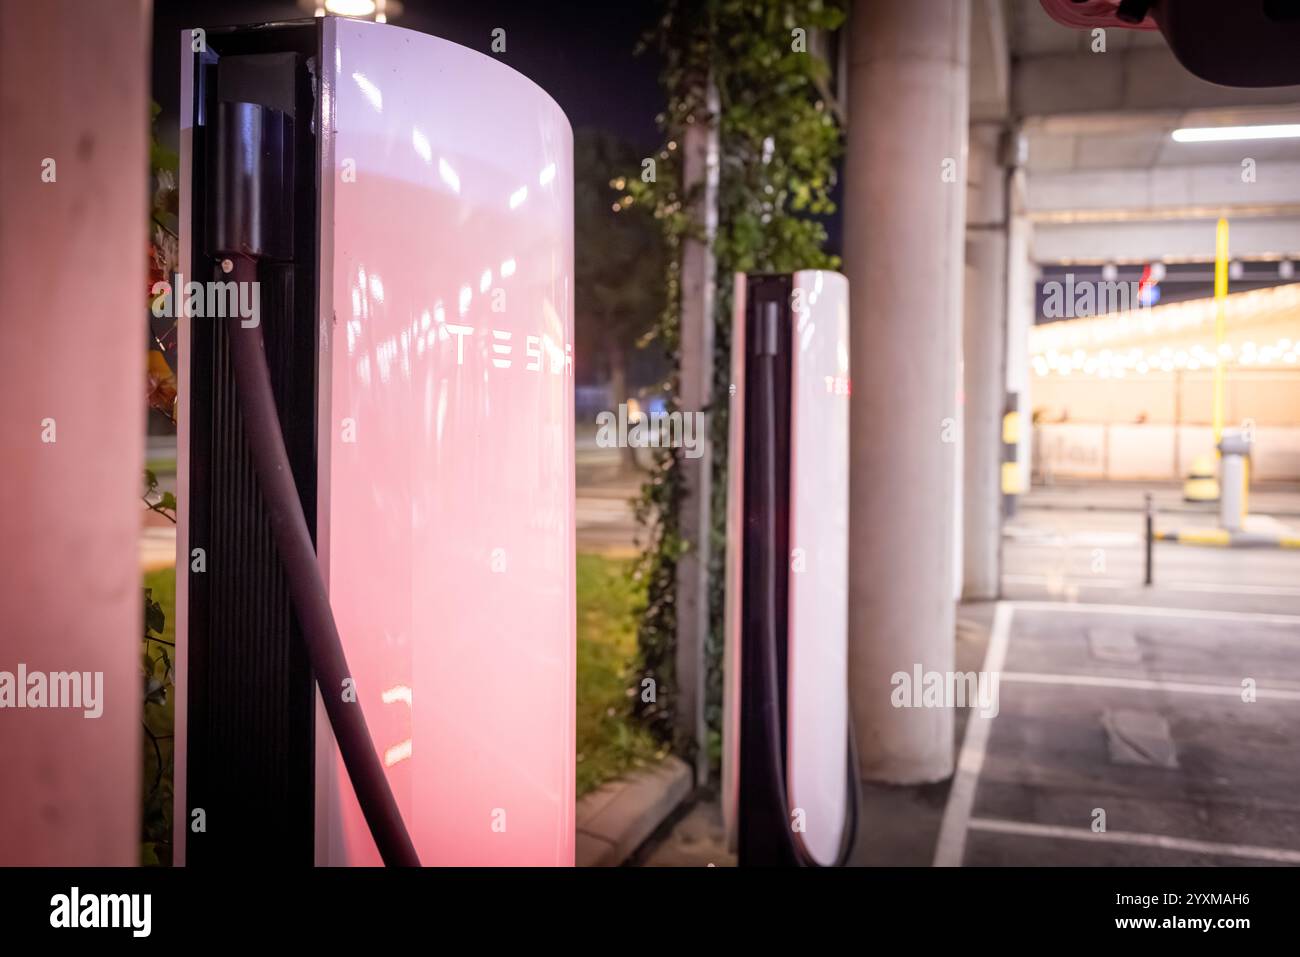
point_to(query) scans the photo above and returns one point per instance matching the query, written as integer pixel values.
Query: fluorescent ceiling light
(1215, 134)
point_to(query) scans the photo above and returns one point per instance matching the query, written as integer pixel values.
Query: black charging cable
(306, 587)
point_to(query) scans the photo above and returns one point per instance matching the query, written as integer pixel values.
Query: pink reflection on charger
(448, 502)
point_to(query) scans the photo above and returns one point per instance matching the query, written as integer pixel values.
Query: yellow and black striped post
(1010, 448)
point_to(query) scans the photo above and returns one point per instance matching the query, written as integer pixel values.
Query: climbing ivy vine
(778, 142)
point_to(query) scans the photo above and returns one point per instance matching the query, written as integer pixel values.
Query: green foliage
(160, 157)
(158, 673)
(778, 144)
(157, 664)
(608, 743)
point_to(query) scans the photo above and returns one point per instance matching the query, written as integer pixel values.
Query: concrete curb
(619, 816)
(1134, 509)
(1223, 538)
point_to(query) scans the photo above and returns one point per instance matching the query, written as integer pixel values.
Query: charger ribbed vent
(251, 700)
(250, 692)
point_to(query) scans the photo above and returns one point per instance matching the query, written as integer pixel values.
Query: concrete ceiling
(1088, 111)
(1105, 180)
(1062, 148)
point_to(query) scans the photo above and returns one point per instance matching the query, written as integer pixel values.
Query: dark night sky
(580, 53)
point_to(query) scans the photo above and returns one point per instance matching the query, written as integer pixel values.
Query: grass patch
(163, 583)
(610, 742)
(160, 719)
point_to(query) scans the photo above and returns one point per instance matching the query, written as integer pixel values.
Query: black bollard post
(1151, 534)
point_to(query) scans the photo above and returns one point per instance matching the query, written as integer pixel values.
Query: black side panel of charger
(764, 823)
(251, 699)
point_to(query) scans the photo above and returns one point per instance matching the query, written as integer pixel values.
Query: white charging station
(789, 789)
(411, 202)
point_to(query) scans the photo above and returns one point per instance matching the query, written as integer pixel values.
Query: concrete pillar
(74, 164)
(905, 210)
(1021, 307)
(984, 351)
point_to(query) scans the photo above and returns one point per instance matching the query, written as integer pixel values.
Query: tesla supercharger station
(789, 781)
(406, 207)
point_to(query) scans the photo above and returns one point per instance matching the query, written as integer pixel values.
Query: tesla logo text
(536, 353)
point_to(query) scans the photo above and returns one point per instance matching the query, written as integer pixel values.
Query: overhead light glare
(1220, 134)
(350, 8)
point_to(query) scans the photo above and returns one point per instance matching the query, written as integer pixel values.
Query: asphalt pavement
(1136, 724)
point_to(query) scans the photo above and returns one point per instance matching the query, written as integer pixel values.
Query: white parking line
(1150, 611)
(1043, 536)
(1084, 581)
(961, 798)
(1144, 684)
(1249, 851)
(957, 815)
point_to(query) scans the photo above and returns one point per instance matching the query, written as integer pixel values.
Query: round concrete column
(74, 166)
(904, 222)
(984, 348)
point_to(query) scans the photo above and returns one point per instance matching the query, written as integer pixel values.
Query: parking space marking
(1263, 618)
(951, 846)
(1252, 852)
(958, 818)
(1144, 684)
(1282, 591)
